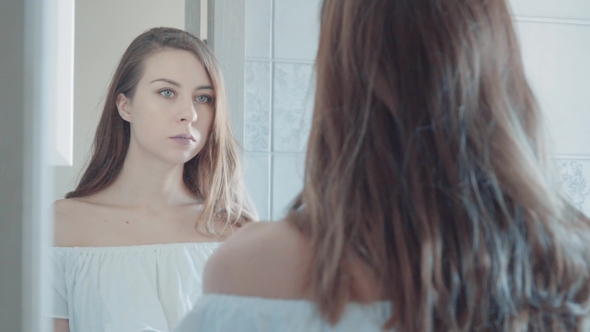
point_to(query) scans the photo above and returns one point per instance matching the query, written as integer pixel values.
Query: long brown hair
(214, 175)
(426, 160)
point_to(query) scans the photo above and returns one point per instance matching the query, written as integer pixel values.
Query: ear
(124, 107)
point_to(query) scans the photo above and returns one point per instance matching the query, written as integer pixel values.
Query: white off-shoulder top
(128, 288)
(218, 312)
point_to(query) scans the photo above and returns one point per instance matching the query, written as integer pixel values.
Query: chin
(179, 158)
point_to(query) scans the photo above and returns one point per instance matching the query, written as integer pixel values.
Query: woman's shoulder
(64, 211)
(68, 208)
(271, 251)
(70, 220)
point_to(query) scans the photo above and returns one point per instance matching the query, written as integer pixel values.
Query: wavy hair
(214, 175)
(426, 160)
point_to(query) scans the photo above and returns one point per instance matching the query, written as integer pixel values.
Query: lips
(185, 140)
(184, 137)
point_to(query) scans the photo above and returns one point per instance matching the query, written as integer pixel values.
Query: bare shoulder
(263, 259)
(61, 325)
(62, 220)
(64, 208)
(69, 215)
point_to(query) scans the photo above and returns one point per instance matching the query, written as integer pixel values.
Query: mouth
(184, 137)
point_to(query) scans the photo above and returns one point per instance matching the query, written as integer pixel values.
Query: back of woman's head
(426, 160)
(213, 176)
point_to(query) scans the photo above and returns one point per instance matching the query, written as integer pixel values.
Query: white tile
(555, 58)
(293, 89)
(256, 107)
(564, 9)
(574, 179)
(257, 176)
(296, 29)
(287, 182)
(258, 27)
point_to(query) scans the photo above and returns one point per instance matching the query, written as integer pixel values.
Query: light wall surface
(103, 31)
(281, 45)
(555, 43)
(281, 42)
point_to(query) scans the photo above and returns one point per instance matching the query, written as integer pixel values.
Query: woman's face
(171, 112)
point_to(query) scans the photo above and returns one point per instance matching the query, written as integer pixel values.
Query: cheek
(203, 128)
(147, 121)
(205, 122)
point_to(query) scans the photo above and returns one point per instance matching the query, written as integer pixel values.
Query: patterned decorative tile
(256, 107)
(258, 27)
(287, 183)
(296, 29)
(257, 176)
(293, 89)
(575, 174)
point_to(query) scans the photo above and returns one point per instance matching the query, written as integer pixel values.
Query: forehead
(178, 65)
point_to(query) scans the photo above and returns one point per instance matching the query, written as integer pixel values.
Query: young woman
(162, 189)
(428, 201)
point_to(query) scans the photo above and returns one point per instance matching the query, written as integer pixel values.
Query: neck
(150, 182)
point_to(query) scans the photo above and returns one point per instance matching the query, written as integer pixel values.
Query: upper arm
(263, 259)
(61, 325)
(226, 270)
(217, 271)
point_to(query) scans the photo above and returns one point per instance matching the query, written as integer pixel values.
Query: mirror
(280, 46)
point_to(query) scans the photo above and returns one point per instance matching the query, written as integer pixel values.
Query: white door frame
(25, 175)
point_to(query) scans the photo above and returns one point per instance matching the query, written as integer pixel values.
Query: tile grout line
(276, 153)
(299, 153)
(570, 157)
(270, 114)
(296, 61)
(551, 20)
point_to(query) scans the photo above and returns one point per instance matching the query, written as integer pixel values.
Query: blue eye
(167, 93)
(204, 99)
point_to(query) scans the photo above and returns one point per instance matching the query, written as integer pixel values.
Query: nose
(188, 112)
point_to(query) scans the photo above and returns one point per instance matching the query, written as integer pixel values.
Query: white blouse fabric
(128, 288)
(218, 312)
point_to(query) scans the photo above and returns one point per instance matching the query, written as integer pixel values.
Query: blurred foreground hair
(426, 160)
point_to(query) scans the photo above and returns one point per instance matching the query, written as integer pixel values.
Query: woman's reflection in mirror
(429, 201)
(162, 189)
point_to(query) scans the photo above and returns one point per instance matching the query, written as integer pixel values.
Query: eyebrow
(202, 87)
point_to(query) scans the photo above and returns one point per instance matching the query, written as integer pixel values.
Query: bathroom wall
(281, 41)
(103, 30)
(281, 44)
(555, 41)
